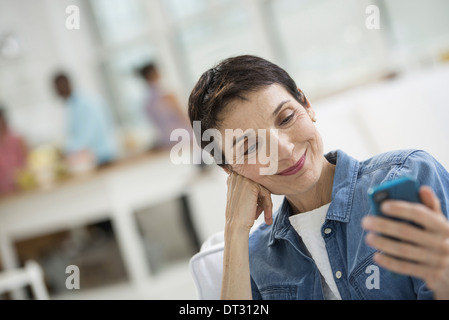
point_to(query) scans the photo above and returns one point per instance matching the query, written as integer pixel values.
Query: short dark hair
(145, 70)
(231, 79)
(60, 75)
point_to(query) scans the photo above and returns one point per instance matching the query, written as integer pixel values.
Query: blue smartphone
(405, 188)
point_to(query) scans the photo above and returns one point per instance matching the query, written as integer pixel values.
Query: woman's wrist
(236, 284)
(236, 230)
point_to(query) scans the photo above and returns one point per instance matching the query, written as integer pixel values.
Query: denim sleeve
(427, 171)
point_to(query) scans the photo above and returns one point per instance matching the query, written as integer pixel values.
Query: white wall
(46, 46)
(410, 111)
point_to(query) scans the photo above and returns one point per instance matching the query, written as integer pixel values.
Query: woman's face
(299, 157)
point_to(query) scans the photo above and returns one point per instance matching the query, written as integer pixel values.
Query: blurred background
(90, 89)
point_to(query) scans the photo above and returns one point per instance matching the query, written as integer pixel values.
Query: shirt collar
(345, 178)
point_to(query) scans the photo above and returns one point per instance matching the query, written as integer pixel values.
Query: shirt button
(338, 274)
(327, 230)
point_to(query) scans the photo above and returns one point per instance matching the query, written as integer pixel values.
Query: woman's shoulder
(395, 157)
(415, 163)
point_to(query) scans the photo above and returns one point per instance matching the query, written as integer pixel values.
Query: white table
(113, 193)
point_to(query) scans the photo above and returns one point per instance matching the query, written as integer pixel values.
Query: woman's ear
(311, 113)
(306, 104)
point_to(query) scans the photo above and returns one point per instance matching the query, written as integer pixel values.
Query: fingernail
(369, 238)
(385, 206)
(366, 222)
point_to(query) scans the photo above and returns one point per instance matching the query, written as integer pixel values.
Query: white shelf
(174, 283)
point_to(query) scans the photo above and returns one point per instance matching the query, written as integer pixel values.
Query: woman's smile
(295, 168)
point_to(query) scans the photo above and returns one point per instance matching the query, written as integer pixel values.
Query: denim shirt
(280, 265)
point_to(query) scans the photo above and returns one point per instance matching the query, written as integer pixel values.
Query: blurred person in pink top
(13, 153)
(162, 108)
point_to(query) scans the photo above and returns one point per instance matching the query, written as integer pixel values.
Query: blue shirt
(280, 265)
(90, 127)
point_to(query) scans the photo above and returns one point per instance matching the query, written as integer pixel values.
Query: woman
(322, 243)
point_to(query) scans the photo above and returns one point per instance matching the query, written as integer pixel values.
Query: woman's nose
(285, 147)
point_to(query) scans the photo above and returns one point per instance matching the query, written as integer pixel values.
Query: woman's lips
(295, 168)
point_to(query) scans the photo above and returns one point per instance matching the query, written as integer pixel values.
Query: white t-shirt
(308, 225)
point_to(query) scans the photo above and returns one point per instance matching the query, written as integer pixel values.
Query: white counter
(111, 193)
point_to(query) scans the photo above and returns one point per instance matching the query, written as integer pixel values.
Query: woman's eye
(287, 119)
(251, 149)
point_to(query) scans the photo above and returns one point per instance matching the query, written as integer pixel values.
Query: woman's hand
(245, 202)
(426, 250)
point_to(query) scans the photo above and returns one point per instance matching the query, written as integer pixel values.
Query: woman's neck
(318, 195)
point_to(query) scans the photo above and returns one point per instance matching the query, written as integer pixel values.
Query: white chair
(206, 267)
(31, 274)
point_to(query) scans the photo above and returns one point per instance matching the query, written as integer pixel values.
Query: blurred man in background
(13, 153)
(90, 134)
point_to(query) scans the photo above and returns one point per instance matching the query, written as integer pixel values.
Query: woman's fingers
(398, 230)
(247, 198)
(266, 204)
(403, 266)
(429, 199)
(427, 217)
(432, 237)
(404, 248)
